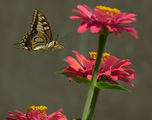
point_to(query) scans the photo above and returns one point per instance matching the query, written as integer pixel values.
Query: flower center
(108, 10)
(105, 56)
(93, 56)
(39, 109)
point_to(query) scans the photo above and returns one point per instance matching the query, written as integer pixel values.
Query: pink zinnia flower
(110, 69)
(36, 113)
(102, 17)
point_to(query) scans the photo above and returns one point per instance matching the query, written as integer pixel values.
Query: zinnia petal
(122, 63)
(73, 63)
(130, 30)
(80, 57)
(126, 80)
(76, 17)
(89, 77)
(109, 62)
(57, 116)
(82, 28)
(84, 10)
(95, 28)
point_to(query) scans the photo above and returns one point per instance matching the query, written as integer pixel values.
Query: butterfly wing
(40, 36)
(54, 45)
(32, 40)
(57, 47)
(40, 24)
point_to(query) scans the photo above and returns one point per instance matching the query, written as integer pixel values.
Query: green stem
(93, 104)
(101, 43)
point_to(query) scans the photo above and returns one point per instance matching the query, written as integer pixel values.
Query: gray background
(28, 78)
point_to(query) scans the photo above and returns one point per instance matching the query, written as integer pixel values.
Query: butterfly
(40, 35)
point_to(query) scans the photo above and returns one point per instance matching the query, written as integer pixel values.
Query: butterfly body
(40, 36)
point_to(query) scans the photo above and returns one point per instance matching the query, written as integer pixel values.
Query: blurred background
(28, 77)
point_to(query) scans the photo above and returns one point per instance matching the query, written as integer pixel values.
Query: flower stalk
(93, 104)
(101, 44)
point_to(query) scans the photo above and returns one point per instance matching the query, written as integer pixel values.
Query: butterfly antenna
(17, 45)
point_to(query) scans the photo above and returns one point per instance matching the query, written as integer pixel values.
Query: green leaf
(105, 85)
(75, 78)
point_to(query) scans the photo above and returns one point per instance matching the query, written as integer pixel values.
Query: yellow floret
(108, 10)
(39, 109)
(93, 56)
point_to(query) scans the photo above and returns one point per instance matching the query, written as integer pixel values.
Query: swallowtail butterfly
(40, 35)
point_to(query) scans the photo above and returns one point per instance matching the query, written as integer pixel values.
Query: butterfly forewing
(40, 23)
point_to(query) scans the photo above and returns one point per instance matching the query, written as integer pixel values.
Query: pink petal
(73, 63)
(117, 32)
(110, 28)
(77, 11)
(57, 116)
(76, 17)
(88, 65)
(80, 57)
(17, 115)
(109, 62)
(84, 62)
(131, 16)
(95, 28)
(126, 80)
(125, 21)
(82, 28)
(88, 70)
(55, 113)
(131, 72)
(121, 64)
(69, 69)
(133, 33)
(125, 18)
(120, 72)
(106, 73)
(70, 79)
(132, 76)
(130, 30)
(89, 77)
(100, 16)
(80, 13)
(114, 77)
(84, 10)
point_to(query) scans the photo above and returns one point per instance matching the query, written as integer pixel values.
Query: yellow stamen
(93, 56)
(108, 10)
(105, 56)
(39, 109)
